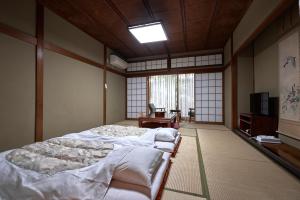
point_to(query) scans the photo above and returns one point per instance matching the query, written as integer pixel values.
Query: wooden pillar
(39, 72)
(126, 97)
(104, 84)
(148, 89)
(234, 82)
(169, 63)
(234, 88)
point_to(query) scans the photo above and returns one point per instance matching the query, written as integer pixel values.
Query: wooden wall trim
(176, 71)
(115, 71)
(57, 49)
(39, 73)
(25, 37)
(15, 33)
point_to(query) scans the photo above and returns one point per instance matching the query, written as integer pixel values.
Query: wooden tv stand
(253, 124)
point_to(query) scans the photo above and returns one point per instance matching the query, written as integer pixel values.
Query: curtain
(164, 88)
(185, 93)
(163, 91)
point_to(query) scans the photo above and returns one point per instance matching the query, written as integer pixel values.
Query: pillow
(138, 166)
(166, 134)
(172, 131)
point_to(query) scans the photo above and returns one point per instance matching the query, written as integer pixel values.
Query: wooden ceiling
(191, 25)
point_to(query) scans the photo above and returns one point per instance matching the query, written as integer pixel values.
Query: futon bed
(165, 139)
(70, 168)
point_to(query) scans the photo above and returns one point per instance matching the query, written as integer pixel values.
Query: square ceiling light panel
(146, 33)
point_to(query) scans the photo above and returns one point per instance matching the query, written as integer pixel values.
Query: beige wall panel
(266, 70)
(64, 34)
(254, 16)
(266, 60)
(227, 51)
(17, 88)
(245, 80)
(228, 97)
(19, 14)
(73, 95)
(115, 98)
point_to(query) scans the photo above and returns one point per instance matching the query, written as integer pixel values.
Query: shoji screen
(136, 96)
(209, 97)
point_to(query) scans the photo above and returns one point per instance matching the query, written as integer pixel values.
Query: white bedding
(119, 131)
(168, 146)
(89, 182)
(146, 139)
(125, 191)
(85, 183)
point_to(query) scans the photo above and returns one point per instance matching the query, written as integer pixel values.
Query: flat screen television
(259, 103)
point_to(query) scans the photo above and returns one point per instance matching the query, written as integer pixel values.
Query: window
(204, 92)
(173, 91)
(163, 91)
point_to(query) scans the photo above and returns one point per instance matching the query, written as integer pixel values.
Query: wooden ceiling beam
(125, 20)
(213, 14)
(183, 19)
(117, 11)
(151, 14)
(148, 8)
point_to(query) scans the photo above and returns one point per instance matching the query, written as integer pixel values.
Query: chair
(191, 114)
(178, 114)
(153, 109)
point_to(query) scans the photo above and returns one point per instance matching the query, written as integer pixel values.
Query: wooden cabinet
(253, 125)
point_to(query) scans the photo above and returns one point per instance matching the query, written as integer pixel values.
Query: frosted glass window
(136, 97)
(147, 65)
(209, 97)
(183, 62)
(215, 59)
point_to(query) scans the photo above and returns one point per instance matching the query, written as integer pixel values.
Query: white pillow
(166, 134)
(170, 130)
(138, 166)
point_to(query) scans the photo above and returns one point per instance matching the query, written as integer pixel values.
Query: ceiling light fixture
(152, 32)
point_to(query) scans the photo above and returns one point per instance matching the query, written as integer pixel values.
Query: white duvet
(146, 139)
(85, 183)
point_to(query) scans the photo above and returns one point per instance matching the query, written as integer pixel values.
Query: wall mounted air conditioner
(118, 62)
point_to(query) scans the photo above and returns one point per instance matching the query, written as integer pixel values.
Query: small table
(151, 121)
(159, 114)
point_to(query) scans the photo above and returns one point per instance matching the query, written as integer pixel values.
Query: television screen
(259, 103)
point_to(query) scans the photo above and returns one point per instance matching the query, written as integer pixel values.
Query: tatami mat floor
(225, 168)
(236, 170)
(185, 170)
